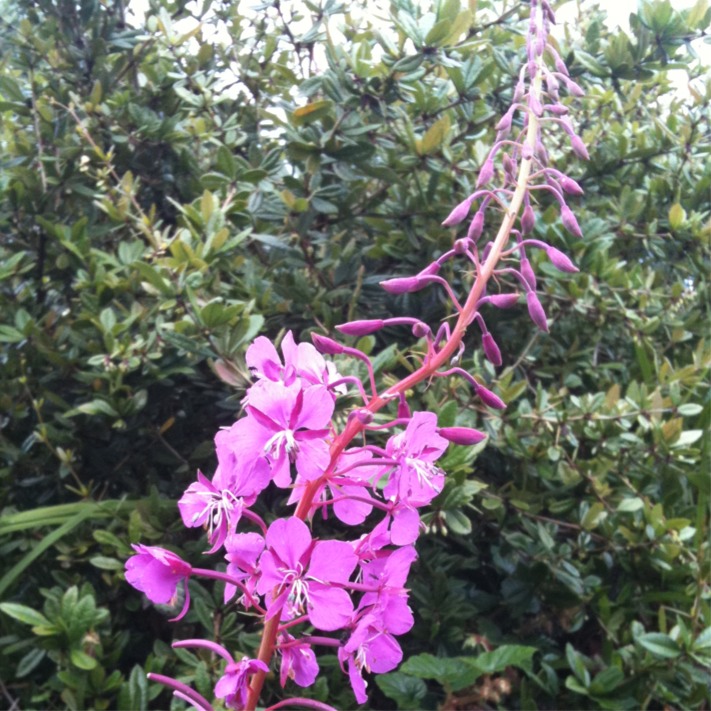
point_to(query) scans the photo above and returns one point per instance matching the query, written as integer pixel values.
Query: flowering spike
(538, 315)
(491, 350)
(569, 221)
(561, 261)
(360, 328)
(462, 435)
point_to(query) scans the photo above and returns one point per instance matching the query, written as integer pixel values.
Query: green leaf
(452, 672)
(507, 655)
(29, 662)
(406, 691)
(82, 660)
(24, 614)
(660, 645)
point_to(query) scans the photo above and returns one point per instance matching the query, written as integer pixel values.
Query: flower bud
(459, 214)
(360, 328)
(403, 285)
(576, 143)
(489, 398)
(526, 152)
(535, 105)
(462, 435)
(556, 109)
(462, 245)
(421, 330)
(569, 221)
(476, 226)
(561, 261)
(574, 88)
(527, 273)
(365, 417)
(491, 350)
(486, 173)
(528, 220)
(505, 121)
(536, 312)
(430, 270)
(503, 301)
(570, 186)
(326, 345)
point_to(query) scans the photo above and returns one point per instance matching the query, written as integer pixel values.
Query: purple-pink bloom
(302, 576)
(298, 661)
(369, 648)
(233, 685)
(157, 572)
(415, 478)
(286, 425)
(243, 551)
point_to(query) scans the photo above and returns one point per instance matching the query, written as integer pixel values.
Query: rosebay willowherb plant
(356, 589)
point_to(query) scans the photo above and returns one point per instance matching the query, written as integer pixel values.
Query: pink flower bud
(403, 285)
(576, 143)
(535, 105)
(526, 152)
(491, 350)
(561, 261)
(556, 109)
(527, 273)
(503, 301)
(476, 226)
(528, 220)
(360, 328)
(421, 330)
(459, 214)
(535, 310)
(462, 245)
(569, 221)
(365, 417)
(326, 345)
(574, 88)
(430, 269)
(486, 173)
(462, 435)
(570, 186)
(489, 398)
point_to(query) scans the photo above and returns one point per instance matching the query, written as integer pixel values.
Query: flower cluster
(350, 594)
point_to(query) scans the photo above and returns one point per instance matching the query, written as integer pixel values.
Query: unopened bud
(421, 330)
(486, 173)
(403, 285)
(528, 220)
(476, 226)
(535, 310)
(576, 143)
(570, 186)
(491, 350)
(561, 261)
(462, 245)
(504, 124)
(526, 152)
(527, 273)
(503, 301)
(459, 214)
(365, 417)
(462, 435)
(325, 345)
(430, 270)
(569, 221)
(489, 398)
(574, 88)
(360, 328)
(556, 109)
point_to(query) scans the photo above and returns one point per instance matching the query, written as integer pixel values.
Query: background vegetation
(170, 189)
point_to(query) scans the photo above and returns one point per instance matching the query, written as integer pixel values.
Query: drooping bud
(421, 330)
(527, 273)
(476, 226)
(360, 328)
(403, 409)
(535, 105)
(491, 350)
(403, 285)
(570, 186)
(326, 345)
(503, 301)
(504, 124)
(574, 88)
(365, 417)
(430, 270)
(486, 173)
(528, 220)
(569, 221)
(576, 143)
(535, 310)
(557, 109)
(561, 261)
(489, 398)
(462, 435)
(462, 245)
(459, 214)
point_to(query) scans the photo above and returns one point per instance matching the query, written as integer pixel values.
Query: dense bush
(169, 191)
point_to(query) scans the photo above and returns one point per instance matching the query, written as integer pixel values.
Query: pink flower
(243, 551)
(416, 479)
(233, 685)
(157, 572)
(286, 425)
(301, 575)
(298, 662)
(369, 648)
